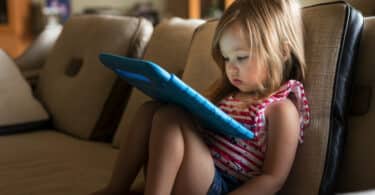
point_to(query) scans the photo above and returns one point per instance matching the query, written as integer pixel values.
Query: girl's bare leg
(133, 151)
(179, 161)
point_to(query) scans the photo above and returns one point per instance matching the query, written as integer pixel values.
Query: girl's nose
(232, 66)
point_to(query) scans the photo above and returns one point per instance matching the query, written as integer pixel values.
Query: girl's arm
(283, 133)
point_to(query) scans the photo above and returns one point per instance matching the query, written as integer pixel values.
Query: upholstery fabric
(20, 110)
(33, 58)
(358, 170)
(168, 47)
(201, 70)
(331, 46)
(76, 101)
(323, 42)
(50, 162)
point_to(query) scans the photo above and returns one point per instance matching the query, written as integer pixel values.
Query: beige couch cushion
(168, 47)
(323, 46)
(74, 85)
(49, 162)
(201, 70)
(19, 109)
(358, 170)
(33, 58)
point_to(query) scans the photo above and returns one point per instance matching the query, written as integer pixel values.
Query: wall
(79, 5)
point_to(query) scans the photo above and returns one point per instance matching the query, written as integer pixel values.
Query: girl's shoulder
(292, 90)
(289, 98)
(284, 107)
(290, 87)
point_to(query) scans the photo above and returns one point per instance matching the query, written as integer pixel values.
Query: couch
(72, 146)
(69, 152)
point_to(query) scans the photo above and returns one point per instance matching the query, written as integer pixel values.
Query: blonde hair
(274, 32)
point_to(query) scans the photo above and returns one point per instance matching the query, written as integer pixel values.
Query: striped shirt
(241, 158)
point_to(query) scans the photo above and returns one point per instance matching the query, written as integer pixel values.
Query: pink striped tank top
(243, 159)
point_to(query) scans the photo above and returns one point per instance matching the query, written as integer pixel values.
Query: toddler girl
(258, 46)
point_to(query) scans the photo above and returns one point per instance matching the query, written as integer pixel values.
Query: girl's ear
(285, 50)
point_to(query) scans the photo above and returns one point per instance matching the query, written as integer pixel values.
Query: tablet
(163, 86)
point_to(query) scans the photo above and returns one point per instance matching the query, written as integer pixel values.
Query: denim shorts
(222, 184)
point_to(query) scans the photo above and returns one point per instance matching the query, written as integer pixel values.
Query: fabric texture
(50, 162)
(201, 70)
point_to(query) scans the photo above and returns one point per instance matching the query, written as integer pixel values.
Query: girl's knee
(166, 128)
(171, 116)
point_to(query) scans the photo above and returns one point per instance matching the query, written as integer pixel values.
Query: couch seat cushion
(48, 162)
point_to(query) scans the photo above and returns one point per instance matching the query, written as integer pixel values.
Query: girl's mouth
(236, 81)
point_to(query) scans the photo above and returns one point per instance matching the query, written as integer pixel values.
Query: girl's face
(243, 70)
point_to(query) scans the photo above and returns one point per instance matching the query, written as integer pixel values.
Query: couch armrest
(20, 110)
(35, 56)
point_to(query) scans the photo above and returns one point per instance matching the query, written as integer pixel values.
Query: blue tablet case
(159, 84)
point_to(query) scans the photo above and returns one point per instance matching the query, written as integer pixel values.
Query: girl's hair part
(274, 35)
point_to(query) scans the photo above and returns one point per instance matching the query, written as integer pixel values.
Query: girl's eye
(226, 59)
(241, 58)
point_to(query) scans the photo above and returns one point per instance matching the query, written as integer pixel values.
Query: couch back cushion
(358, 170)
(74, 86)
(168, 47)
(201, 70)
(330, 46)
